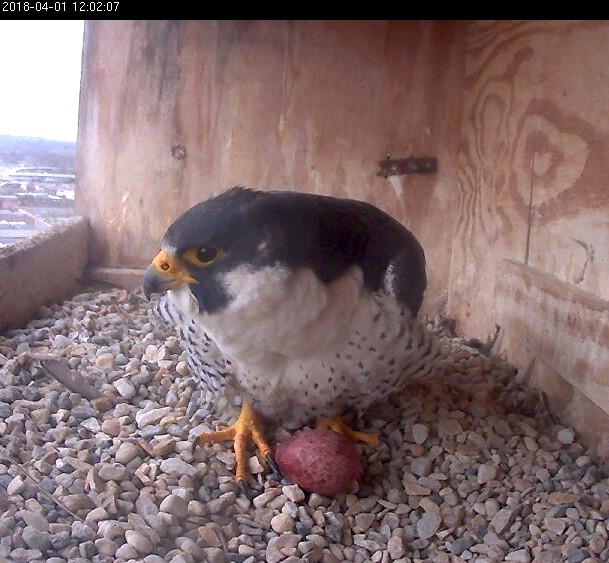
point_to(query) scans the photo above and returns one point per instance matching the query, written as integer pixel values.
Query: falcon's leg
(246, 427)
(336, 423)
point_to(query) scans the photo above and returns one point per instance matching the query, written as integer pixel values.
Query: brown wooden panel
(559, 335)
(565, 327)
(569, 144)
(532, 160)
(307, 105)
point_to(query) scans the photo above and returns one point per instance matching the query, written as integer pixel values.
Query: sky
(40, 78)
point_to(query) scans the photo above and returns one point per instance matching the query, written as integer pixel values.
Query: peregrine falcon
(304, 305)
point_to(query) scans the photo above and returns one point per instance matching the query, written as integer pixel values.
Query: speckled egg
(320, 461)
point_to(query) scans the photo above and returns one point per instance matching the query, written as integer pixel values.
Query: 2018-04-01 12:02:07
(65, 7)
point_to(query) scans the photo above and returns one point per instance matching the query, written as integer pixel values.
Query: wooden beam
(567, 328)
(560, 334)
(128, 278)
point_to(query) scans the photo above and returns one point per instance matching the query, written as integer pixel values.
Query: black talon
(248, 490)
(270, 460)
(245, 491)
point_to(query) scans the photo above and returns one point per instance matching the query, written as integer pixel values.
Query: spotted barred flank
(205, 361)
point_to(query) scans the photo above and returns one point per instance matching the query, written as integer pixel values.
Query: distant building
(19, 225)
(20, 217)
(10, 188)
(9, 202)
(30, 198)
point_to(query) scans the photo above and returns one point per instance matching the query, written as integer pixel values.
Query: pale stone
(152, 416)
(140, 542)
(111, 426)
(420, 433)
(175, 466)
(487, 472)
(16, 486)
(293, 493)
(282, 523)
(105, 361)
(428, 525)
(125, 388)
(126, 452)
(565, 436)
(174, 504)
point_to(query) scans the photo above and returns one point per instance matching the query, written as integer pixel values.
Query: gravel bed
(472, 466)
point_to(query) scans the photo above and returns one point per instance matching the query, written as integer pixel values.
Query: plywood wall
(531, 251)
(175, 111)
(533, 161)
(515, 223)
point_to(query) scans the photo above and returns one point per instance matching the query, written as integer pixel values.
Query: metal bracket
(411, 165)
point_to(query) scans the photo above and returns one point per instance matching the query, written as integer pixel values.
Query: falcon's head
(205, 242)
(246, 229)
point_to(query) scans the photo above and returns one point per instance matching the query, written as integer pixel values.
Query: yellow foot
(336, 423)
(245, 428)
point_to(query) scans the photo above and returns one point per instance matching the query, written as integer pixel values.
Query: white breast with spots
(302, 349)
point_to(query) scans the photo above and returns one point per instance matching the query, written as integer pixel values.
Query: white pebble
(565, 436)
(487, 472)
(125, 388)
(152, 416)
(139, 541)
(420, 433)
(420, 466)
(174, 466)
(518, 556)
(91, 424)
(153, 353)
(16, 486)
(126, 552)
(282, 523)
(35, 519)
(263, 498)
(112, 472)
(293, 493)
(176, 505)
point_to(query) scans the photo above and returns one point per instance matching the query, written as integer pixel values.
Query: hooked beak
(165, 272)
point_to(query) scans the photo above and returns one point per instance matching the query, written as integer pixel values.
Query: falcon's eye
(202, 255)
(206, 254)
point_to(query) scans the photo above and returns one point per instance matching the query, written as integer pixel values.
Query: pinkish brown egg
(320, 461)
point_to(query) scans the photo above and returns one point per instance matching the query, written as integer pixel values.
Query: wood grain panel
(559, 335)
(532, 181)
(566, 327)
(569, 148)
(307, 105)
(532, 165)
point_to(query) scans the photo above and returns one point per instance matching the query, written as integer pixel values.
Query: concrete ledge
(42, 270)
